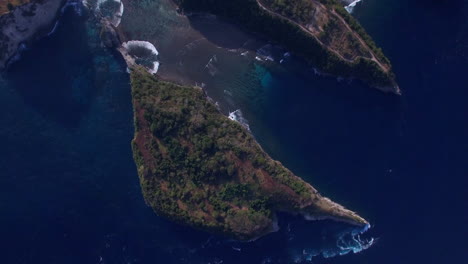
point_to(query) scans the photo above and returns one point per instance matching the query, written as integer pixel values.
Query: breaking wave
(211, 67)
(345, 242)
(352, 5)
(265, 53)
(110, 9)
(143, 53)
(294, 241)
(238, 117)
(77, 9)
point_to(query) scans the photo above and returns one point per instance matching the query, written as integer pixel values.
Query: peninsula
(320, 31)
(196, 166)
(200, 168)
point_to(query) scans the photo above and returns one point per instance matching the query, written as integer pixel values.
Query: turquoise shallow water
(69, 189)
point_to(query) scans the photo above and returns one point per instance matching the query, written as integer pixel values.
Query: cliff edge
(25, 23)
(320, 31)
(200, 168)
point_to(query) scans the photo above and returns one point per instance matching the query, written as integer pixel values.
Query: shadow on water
(297, 241)
(220, 33)
(58, 82)
(72, 195)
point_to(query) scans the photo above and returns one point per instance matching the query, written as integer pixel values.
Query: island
(200, 168)
(197, 166)
(320, 31)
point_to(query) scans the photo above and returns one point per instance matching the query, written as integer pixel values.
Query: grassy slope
(248, 14)
(200, 168)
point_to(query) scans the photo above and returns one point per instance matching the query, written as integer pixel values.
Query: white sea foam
(118, 15)
(133, 44)
(351, 6)
(95, 5)
(155, 67)
(116, 18)
(345, 243)
(236, 248)
(227, 92)
(54, 28)
(265, 53)
(140, 43)
(238, 117)
(75, 4)
(212, 69)
(317, 72)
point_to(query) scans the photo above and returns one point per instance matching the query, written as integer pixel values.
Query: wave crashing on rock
(239, 118)
(143, 53)
(350, 7)
(111, 10)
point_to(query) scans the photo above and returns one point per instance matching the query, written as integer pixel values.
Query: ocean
(69, 191)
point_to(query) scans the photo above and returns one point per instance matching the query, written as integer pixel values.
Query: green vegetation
(362, 33)
(298, 10)
(251, 16)
(198, 167)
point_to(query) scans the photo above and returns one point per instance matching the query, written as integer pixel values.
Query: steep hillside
(200, 168)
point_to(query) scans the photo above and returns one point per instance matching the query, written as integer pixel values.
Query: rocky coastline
(24, 24)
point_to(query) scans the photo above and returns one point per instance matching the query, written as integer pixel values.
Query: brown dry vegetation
(320, 31)
(7, 5)
(325, 24)
(200, 168)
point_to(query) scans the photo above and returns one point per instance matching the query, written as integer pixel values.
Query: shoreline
(288, 192)
(367, 70)
(24, 25)
(329, 209)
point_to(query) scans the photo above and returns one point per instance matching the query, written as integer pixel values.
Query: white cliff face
(22, 25)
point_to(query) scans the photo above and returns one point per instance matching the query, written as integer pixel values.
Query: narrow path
(374, 58)
(303, 28)
(356, 35)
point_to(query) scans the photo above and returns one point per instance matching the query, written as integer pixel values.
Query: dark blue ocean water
(69, 191)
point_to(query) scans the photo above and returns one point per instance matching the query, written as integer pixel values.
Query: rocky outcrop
(25, 24)
(109, 36)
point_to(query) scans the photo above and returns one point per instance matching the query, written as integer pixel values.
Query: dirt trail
(385, 68)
